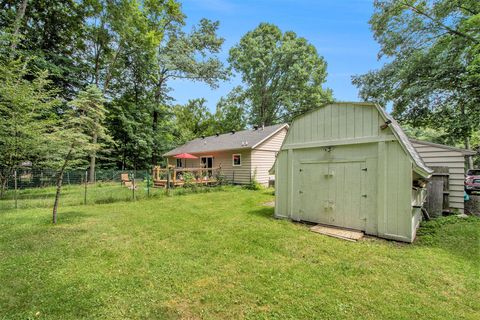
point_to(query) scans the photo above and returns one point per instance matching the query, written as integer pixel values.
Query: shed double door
(334, 193)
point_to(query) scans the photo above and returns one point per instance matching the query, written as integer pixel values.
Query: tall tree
(186, 56)
(122, 47)
(27, 105)
(52, 32)
(71, 142)
(193, 120)
(231, 113)
(432, 74)
(282, 74)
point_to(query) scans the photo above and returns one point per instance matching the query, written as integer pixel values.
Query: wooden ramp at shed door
(350, 235)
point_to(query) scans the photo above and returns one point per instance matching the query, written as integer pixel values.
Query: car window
(473, 172)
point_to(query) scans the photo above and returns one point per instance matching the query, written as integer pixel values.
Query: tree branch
(439, 23)
(18, 21)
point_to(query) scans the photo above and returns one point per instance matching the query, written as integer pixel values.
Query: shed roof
(465, 152)
(245, 139)
(419, 166)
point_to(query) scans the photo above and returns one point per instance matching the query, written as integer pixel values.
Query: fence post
(85, 193)
(148, 185)
(15, 184)
(168, 178)
(68, 177)
(133, 186)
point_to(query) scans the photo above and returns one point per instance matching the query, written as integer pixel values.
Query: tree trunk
(3, 185)
(18, 22)
(155, 127)
(93, 158)
(59, 186)
(469, 158)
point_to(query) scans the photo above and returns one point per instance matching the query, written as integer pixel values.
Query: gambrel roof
(418, 164)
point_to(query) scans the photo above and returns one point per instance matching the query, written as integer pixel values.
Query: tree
(122, 43)
(52, 32)
(26, 114)
(231, 113)
(187, 56)
(193, 120)
(71, 142)
(432, 74)
(283, 74)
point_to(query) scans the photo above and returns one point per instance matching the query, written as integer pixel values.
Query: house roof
(465, 152)
(419, 166)
(245, 139)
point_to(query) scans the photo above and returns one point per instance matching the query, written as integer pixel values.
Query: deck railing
(171, 177)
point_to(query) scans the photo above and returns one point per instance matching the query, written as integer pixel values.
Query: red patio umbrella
(185, 156)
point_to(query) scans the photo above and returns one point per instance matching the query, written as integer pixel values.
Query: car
(472, 181)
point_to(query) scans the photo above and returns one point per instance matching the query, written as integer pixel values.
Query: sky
(339, 30)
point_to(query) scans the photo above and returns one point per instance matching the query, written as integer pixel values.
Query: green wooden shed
(350, 165)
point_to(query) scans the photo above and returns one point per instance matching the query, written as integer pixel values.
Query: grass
(74, 195)
(221, 255)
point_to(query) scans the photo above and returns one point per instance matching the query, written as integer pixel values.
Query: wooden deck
(178, 177)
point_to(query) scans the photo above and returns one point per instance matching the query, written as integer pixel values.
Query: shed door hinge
(364, 169)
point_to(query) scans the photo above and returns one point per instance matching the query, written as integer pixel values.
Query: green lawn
(99, 193)
(221, 255)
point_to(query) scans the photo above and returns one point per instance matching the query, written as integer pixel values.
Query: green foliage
(189, 180)
(431, 77)
(193, 120)
(283, 74)
(71, 142)
(52, 31)
(231, 113)
(27, 105)
(253, 184)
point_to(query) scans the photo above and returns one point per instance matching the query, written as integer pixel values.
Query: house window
(237, 159)
(179, 163)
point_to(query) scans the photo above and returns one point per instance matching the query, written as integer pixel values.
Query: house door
(335, 193)
(207, 162)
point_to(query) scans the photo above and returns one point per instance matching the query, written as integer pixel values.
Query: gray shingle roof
(246, 139)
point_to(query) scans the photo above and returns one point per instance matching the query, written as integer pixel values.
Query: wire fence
(23, 189)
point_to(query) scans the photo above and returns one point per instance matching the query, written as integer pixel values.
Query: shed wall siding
(337, 122)
(455, 161)
(353, 130)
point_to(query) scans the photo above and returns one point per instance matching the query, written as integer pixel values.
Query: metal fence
(36, 188)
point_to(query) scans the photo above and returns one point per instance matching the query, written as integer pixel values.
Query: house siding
(455, 161)
(263, 156)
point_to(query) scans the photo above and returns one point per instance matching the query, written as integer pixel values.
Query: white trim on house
(233, 159)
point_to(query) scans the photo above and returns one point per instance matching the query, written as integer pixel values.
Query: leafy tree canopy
(432, 75)
(282, 74)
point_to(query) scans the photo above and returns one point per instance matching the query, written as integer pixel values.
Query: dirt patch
(269, 204)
